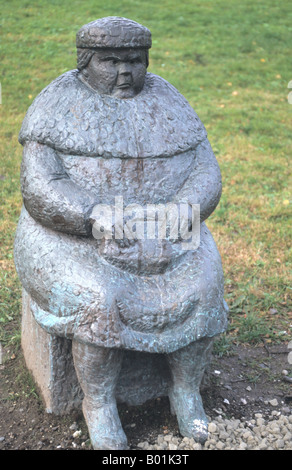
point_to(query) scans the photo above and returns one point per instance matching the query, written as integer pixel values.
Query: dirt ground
(248, 381)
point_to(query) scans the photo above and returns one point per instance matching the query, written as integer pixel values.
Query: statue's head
(112, 56)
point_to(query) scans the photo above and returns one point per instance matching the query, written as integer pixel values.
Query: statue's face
(117, 72)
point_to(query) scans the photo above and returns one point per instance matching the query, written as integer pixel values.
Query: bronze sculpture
(112, 129)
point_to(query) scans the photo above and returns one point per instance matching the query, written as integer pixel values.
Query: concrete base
(49, 358)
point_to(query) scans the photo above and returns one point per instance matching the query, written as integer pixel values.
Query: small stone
(156, 447)
(263, 445)
(280, 444)
(274, 402)
(197, 446)
(248, 389)
(220, 445)
(211, 443)
(172, 446)
(143, 445)
(247, 435)
(73, 427)
(273, 311)
(242, 446)
(250, 424)
(243, 401)
(288, 437)
(285, 372)
(2, 438)
(223, 435)
(77, 434)
(260, 421)
(160, 439)
(212, 428)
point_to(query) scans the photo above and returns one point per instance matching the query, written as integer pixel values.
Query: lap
(66, 276)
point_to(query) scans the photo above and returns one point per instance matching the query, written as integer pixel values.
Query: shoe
(104, 426)
(191, 417)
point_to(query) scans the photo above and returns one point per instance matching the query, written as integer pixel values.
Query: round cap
(113, 32)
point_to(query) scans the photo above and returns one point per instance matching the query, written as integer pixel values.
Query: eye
(136, 60)
(112, 60)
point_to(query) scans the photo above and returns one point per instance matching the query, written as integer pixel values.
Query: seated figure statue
(109, 130)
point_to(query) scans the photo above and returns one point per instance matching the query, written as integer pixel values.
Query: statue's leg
(187, 366)
(98, 371)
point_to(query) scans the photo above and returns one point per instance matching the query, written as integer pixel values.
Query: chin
(124, 94)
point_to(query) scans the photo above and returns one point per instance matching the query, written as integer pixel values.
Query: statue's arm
(50, 196)
(203, 186)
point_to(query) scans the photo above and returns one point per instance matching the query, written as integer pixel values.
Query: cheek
(139, 75)
(109, 75)
(105, 73)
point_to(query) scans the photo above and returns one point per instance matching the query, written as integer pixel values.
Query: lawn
(232, 61)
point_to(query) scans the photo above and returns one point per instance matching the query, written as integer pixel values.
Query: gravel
(258, 433)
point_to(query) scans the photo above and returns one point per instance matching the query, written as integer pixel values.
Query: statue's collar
(72, 118)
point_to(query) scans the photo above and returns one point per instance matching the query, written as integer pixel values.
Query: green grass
(232, 61)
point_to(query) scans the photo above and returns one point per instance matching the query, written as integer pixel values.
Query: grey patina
(112, 129)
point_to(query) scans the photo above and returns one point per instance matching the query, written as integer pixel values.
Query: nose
(125, 68)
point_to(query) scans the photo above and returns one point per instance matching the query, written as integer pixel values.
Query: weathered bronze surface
(108, 130)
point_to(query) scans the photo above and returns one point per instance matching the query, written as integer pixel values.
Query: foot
(104, 426)
(191, 417)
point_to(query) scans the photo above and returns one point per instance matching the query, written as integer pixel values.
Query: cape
(107, 305)
(74, 119)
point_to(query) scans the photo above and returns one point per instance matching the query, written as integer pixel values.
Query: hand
(101, 221)
(103, 227)
(125, 242)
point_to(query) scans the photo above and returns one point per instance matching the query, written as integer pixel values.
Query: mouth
(124, 86)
